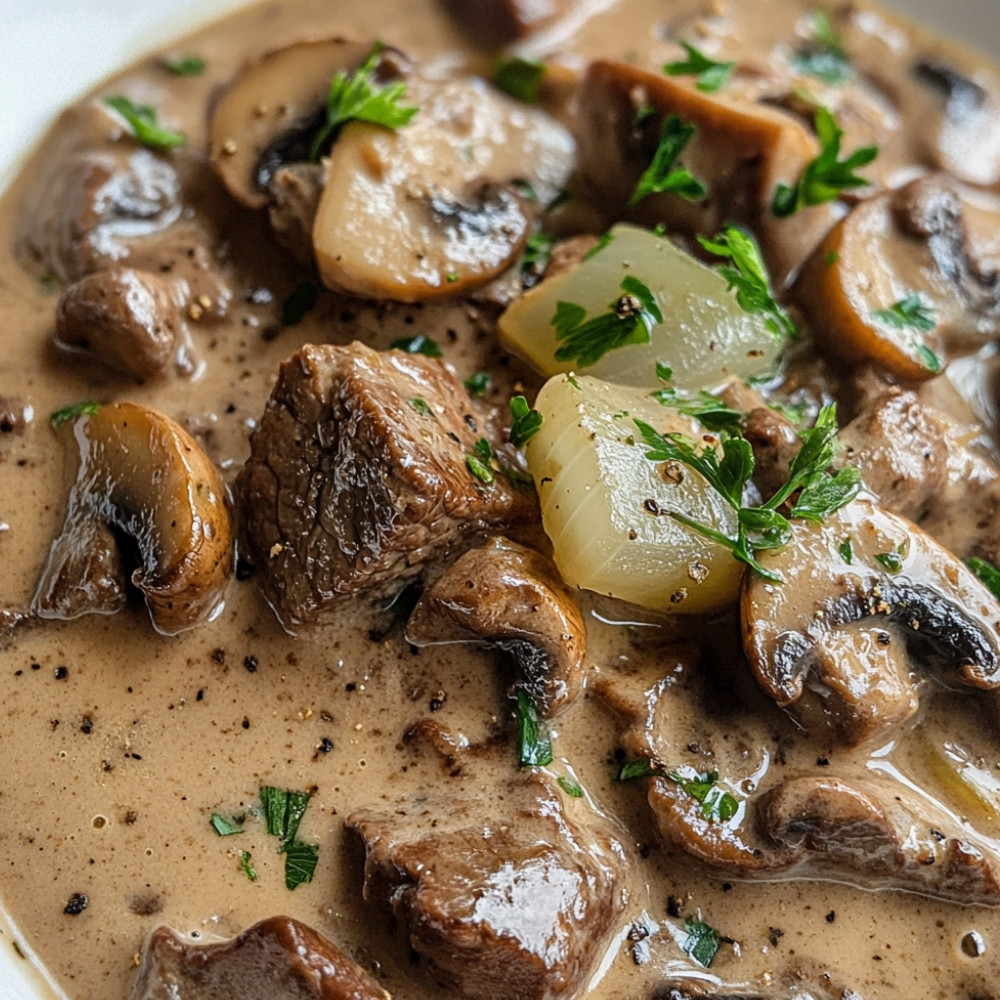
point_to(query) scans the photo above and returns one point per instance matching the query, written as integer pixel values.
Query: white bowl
(53, 50)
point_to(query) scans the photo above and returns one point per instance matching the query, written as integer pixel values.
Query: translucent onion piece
(599, 494)
(705, 336)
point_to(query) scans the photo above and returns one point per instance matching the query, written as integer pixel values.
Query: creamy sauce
(119, 744)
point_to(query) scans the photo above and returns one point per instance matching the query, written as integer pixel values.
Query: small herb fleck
(662, 175)
(633, 769)
(526, 422)
(224, 827)
(248, 869)
(86, 408)
(890, 560)
(908, 313)
(141, 119)
(521, 78)
(846, 550)
(702, 942)
(569, 786)
(420, 405)
(823, 56)
(478, 383)
(710, 75)
(420, 344)
(534, 748)
(987, 573)
(300, 863)
(716, 804)
(184, 65)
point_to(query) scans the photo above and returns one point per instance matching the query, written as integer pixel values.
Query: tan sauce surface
(118, 744)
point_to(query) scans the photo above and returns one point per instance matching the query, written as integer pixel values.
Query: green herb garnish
(710, 75)
(716, 804)
(521, 78)
(890, 560)
(817, 492)
(826, 177)
(283, 811)
(141, 119)
(907, 313)
(661, 175)
(478, 383)
(846, 550)
(224, 827)
(633, 769)
(420, 405)
(702, 942)
(184, 65)
(987, 573)
(629, 320)
(534, 748)
(480, 463)
(711, 412)
(300, 863)
(747, 274)
(248, 869)
(420, 344)
(569, 786)
(537, 254)
(358, 97)
(86, 408)
(301, 300)
(823, 57)
(526, 422)
(602, 241)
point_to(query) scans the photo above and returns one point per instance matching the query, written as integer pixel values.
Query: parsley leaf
(357, 97)
(987, 574)
(641, 768)
(85, 408)
(300, 863)
(702, 942)
(248, 869)
(629, 320)
(420, 344)
(890, 560)
(747, 274)
(536, 256)
(224, 827)
(907, 313)
(661, 175)
(534, 748)
(526, 423)
(569, 786)
(283, 811)
(710, 75)
(301, 300)
(825, 177)
(716, 804)
(846, 550)
(141, 119)
(184, 65)
(479, 463)
(478, 383)
(421, 406)
(521, 78)
(823, 57)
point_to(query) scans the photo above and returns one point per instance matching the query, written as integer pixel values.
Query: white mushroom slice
(143, 475)
(274, 104)
(422, 212)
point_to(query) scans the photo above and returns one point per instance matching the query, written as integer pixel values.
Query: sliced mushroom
(141, 474)
(936, 285)
(121, 316)
(494, 23)
(847, 828)
(867, 598)
(741, 151)
(510, 596)
(271, 112)
(425, 212)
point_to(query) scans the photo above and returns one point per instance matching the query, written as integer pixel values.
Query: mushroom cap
(849, 634)
(144, 475)
(272, 101)
(510, 596)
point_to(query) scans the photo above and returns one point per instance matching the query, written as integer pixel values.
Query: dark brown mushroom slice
(141, 474)
(509, 596)
(272, 111)
(121, 316)
(838, 641)
(741, 151)
(276, 959)
(495, 23)
(847, 828)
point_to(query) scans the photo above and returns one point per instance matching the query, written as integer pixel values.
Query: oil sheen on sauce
(119, 744)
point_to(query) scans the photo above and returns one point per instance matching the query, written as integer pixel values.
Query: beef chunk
(358, 476)
(277, 959)
(512, 904)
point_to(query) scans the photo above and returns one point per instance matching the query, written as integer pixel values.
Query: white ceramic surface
(52, 50)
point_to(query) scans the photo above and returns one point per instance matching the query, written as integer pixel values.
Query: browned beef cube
(508, 897)
(277, 959)
(358, 475)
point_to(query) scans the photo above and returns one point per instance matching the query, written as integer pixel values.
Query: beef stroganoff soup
(499, 500)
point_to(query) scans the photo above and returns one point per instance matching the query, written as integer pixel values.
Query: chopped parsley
(641, 768)
(811, 492)
(928, 358)
(537, 254)
(85, 408)
(283, 811)
(709, 410)
(521, 78)
(478, 383)
(534, 748)
(421, 406)
(526, 422)
(702, 942)
(709, 75)
(358, 97)
(300, 863)
(661, 175)
(629, 320)
(825, 177)
(569, 786)
(224, 827)
(141, 119)
(716, 804)
(823, 56)
(480, 463)
(907, 313)
(184, 65)
(602, 241)
(747, 274)
(420, 344)
(248, 869)
(890, 560)
(987, 573)
(846, 550)
(301, 300)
